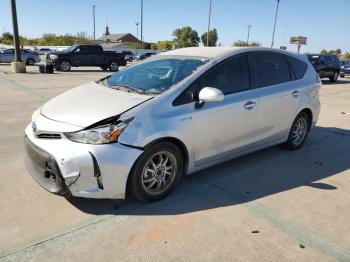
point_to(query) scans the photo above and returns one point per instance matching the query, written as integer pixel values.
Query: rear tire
(30, 61)
(335, 76)
(156, 172)
(113, 66)
(298, 132)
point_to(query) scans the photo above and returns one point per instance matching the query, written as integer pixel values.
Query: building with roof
(116, 40)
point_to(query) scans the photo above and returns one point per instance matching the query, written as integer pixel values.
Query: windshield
(70, 49)
(155, 76)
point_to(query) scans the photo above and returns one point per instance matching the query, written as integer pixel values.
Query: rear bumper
(66, 168)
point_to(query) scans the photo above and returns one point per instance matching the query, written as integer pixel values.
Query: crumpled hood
(90, 103)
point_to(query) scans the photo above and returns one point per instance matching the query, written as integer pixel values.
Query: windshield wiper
(128, 88)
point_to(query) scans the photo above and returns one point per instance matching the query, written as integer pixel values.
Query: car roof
(216, 52)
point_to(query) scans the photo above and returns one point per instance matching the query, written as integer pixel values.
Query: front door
(222, 129)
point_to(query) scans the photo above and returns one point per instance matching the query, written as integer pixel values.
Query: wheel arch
(178, 143)
(309, 113)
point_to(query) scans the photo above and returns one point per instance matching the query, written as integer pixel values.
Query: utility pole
(249, 26)
(141, 22)
(274, 26)
(137, 31)
(17, 65)
(93, 16)
(210, 2)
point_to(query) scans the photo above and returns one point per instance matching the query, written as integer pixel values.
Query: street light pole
(93, 16)
(137, 31)
(141, 38)
(210, 2)
(15, 32)
(17, 65)
(249, 26)
(274, 26)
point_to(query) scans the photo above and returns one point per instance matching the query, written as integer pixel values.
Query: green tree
(185, 37)
(164, 45)
(241, 43)
(324, 52)
(213, 37)
(6, 38)
(346, 56)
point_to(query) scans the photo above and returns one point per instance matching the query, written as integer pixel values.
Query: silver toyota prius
(139, 130)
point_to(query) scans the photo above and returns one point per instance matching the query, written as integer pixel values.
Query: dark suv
(327, 66)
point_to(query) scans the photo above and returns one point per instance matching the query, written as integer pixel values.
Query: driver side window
(230, 76)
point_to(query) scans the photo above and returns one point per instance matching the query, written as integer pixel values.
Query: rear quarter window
(298, 67)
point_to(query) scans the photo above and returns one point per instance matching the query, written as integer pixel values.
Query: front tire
(335, 76)
(65, 65)
(156, 172)
(298, 132)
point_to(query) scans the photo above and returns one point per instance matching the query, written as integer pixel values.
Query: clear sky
(324, 22)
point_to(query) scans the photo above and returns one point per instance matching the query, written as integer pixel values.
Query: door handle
(249, 105)
(295, 93)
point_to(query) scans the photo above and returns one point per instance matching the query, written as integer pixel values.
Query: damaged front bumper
(66, 168)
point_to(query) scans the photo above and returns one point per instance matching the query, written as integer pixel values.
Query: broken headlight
(104, 134)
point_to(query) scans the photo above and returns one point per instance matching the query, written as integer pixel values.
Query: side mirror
(211, 94)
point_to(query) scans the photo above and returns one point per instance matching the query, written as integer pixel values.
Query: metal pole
(299, 45)
(141, 21)
(210, 2)
(15, 32)
(93, 15)
(137, 31)
(274, 26)
(249, 26)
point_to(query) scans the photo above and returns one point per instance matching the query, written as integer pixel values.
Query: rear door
(95, 56)
(278, 96)
(329, 66)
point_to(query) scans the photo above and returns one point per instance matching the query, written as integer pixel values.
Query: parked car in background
(45, 51)
(86, 55)
(27, 56)
(327, 66)
(139, 130)
(145, 55)
(129, 56)
(345, 68)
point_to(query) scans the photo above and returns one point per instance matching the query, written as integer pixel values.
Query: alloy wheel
(159, 173)
(299, 131)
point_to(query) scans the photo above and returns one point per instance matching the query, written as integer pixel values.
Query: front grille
(49, 136)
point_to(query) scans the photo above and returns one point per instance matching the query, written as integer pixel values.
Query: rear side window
(230, 76)
(269, 69)
(93, 49)
(298, 67)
